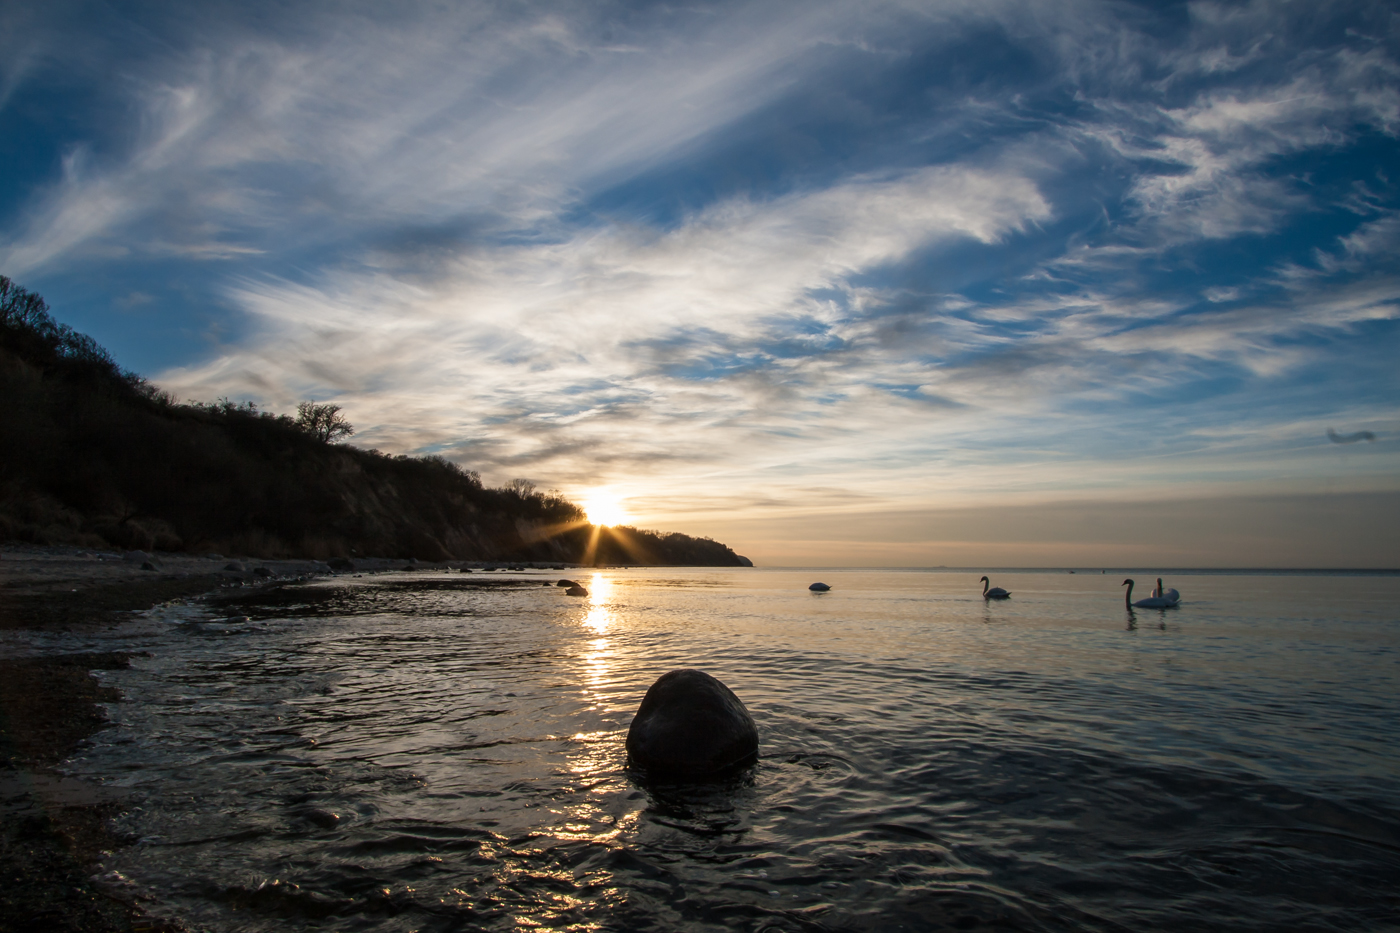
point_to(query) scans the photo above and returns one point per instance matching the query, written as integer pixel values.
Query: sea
(419, 751)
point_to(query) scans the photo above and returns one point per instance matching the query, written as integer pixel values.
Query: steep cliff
(93, 455)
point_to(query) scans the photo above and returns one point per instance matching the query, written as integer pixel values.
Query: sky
(1043, 283)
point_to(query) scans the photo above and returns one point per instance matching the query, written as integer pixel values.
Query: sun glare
(604, 509)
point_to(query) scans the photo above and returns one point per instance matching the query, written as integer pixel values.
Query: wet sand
(54, 830)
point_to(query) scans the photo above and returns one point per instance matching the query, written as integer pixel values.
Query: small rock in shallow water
(819, 587)
(322, 818)
(576, 590)
(148, 566)
(234, 566)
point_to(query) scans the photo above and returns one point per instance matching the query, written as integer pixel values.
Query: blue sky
(828, 281)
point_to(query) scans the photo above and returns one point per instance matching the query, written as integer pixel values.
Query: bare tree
(522, 488)
(323, 422)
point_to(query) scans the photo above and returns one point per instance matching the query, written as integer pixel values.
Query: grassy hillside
(94, 455)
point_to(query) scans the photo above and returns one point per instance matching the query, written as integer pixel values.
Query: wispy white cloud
(431, 118)
(599, 337)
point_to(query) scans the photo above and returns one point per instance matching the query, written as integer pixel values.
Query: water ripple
(415, 752)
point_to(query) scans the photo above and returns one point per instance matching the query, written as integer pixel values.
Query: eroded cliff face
(93, 455)
(87, 461)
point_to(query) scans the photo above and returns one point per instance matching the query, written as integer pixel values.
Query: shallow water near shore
(929, 760)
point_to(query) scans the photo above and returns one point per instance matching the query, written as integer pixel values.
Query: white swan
(1170, 595)
(1152, 602)
(995, 592)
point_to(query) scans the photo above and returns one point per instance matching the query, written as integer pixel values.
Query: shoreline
(55, 829)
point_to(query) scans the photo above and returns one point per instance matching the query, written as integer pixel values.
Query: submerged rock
(321, 817)
(576, 590)
(691, 725)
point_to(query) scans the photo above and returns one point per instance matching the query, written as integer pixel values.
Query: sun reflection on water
(600, 617)
(591, 812)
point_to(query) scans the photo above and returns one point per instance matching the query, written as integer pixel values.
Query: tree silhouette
(323, 422)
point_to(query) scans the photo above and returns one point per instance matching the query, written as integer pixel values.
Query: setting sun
(604, 509)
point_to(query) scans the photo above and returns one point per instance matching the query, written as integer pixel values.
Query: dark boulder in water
(576, 590)
(321, 817)
(691, 725)
(819, 587)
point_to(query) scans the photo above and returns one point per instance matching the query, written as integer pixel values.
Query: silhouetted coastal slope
(96, 456)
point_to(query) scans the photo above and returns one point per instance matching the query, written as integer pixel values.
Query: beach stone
(576, 590)
(148, 566)
(321, 817)
(566, 583)
(819, 587)
(690, 724)
(234, 566)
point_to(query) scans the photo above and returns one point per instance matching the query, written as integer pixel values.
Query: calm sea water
(929, 760)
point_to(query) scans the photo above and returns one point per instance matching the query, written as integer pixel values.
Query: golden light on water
(593, 755)
(604, 508)
(599, 617)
